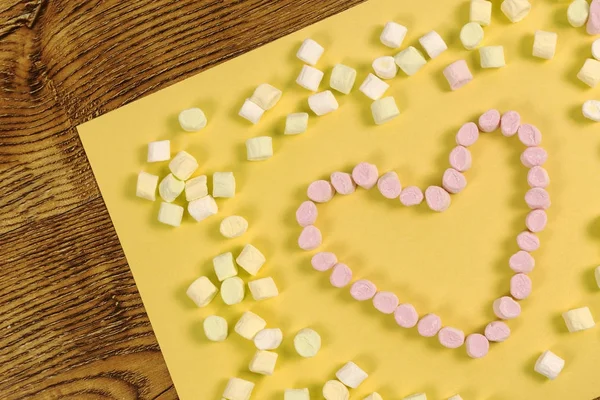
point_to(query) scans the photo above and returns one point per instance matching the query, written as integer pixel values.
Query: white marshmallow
(410, 60)
(159, 151)
(307, 343)
(373, 87)
(591, 110)
(578, 13)
(373, 396)
(146, 186)
(268, 339)
(263, 289)
(223, 184)
(259, 148)
(202, 208)
(579, 319)
(238, 389)
(183, 165)
(196, 188)
(233, 226)
(310, 51)
(251, 259)
(192, 119)
(296, 394)
(224, 266)
(455, 397)
(515, 10)
(544, 44)
(385, 67)
(480, 12)
(433, 44)
(351, 375)
(170, 188)
(590, 72)
(251, 111)
(416, 396)
(263, 362)
(549, 364)
(215, 328)
(384, 110)
(342, 78)
(266, 96)
(492, 56)
(334, 390)
(596, 49)
(202, 291)
(249, 325)
(296, 123)
(232, 290)
(471, 35)
(323, 103)
(170, 214)
(310, 78)
(393, 35)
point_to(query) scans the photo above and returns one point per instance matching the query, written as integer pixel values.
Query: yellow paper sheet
(454, 264)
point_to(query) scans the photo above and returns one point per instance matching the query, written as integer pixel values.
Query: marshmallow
(578, 13)
(263, 288)
(593, 24)
(385, 302)
(170, 188)
(471, 34)
(159, 151)
(410, 60)
(342, 183)
(520, 286)
(192, 119)
(538, 177)
(393, 35)
(529, 135)
(341, 275)
(296, 394)
(251, 259)
(590, 72)
(249, 325)
(536, 220)
(263, 362)
(373, 87)
(591, 110)
(527, 241)
(544, 44)
(489, 121)
(384, 110)
(259, 148)
(515, 10)
(296, 123)
(232, 290)
(477, 345)
(310, 78)
(183, 165)
(323, 261)
(320, 191)
(251, 111)
(492, 56)
(411, 196)
(342, 78)
(533, 156)
(306, 214)
(506, 308)
(224, 266)
(467, 135)
(549, 364)
(202, 291)
(406, 315)
(351, 375)
(233, 226)
(310, 51)
(455, 397)
(597, 275)
(537, 198)
(458, 74)
(363, 290)
(451, 338)
(596, 49)
(215, 328)
(416, 396)
(223, 184)
(170, 214)
(365, 175)
(334, 390)
(510, 123)
(238, 389)
(522, 262)
(373, 396)
(323, 103)
(307, 343)
(437, 198)
(453, 181)
(310, 238)
(497, 331)
(268, 339)
(389, 185)
(385, 67)
(266, 96)
(196, 188)
(579, 319)
(202, 208)
(146, 186)
(433, 44)
(429, 325)
(480, 12)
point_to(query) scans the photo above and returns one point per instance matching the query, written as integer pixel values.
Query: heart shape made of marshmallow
(438, 198)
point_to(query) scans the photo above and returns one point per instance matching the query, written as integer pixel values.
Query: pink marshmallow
(323, 261)
(489, 121)
(467, 134)
(593, 23)
(538, 198)
(460, 158)
(538, 177)
(385, 302)
(477, 345)
(429, 325)
(411, 196)
(406, 315)
(342, 183)
(365, 175)
(509, 123)
(453, 181)
(506, 308)
(389, 185)
(340, 276)
(536, 220)
(529, 135)
(363, 290)
(522, 262)
(534, 156)
(497, 331)
(320, 191)
(451, 338)
(310, 238)
(307, 213)
(520, 286)
(437, 198)
(528, 241)
(457, 74)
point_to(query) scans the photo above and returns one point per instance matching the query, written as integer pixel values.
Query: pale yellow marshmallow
(410, 60)
(238, 389)
(170, 188)
(416, 396)
(215, 328)
(232, 290)
(578, 13)
(202, 291)
(266, 96)
(183, 165)
(590, 72)
(263, 362)
(192, 119)
(202, 208)
(296, 123)
(351, 375)
(335, 390)
(223, 184)
(224, 266)
(373, 396)
(342, 78)
(579, 319)
(384, 110)
(259, 148)
(515, 10)
(263, 288)
(196, 188)
(307, 343)
(249, 325)
(170, 214)
(471, 35)
(268, 339)
(296, 394)
(233, 226)
(492, 56)
(544, 44)
(385, 67)
(159, 151)
(146, 186)
(251, 111)
(251, 259)
(481, 12)
(549, 364)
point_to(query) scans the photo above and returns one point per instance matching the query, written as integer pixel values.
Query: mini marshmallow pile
(438, 198)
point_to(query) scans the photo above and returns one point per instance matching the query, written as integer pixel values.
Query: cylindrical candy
(522, 262)
(528, 241)
(365, 175)
(363, 290)
(323, 261)
(406, 315)
(429, 325)
(385, 302)
(536, 220)
(509, 123)
(320, 191)
(534, 156)
(340, 276)
(451, 338)
(389, 185)
(437, 198)
(342, 183)
(307, 213)
(489, 121)
(529, 135)
(520, 286)
(497, 331)
(310, 238)
(467, 134)
(538, 177)
(477, 345)
(506, 308)
(460, 158)
(411, 196)
(538, 198)
(453, 181)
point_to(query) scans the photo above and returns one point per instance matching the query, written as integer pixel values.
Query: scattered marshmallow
(433, 44)
(467, 135)
(429, 325)
(406, 315)
(170, 214)
(549, 364)
(159, 151)
(506, 308)
(590, 72)
(389, 185)
(334, 390)
(363, 290)
(593, 24)
(250, 259)
(233, 226)
(296, 394)
(146, 186)
(373, 87)
(342, 78)
(223, 184)
(497, 331)
(453, 181)
(373, 396)
(510, 123)
(310, 78)
(170, 188)
(393, 35)
(579, 319)
(596, 49)
(320, 191)
(232, 290)
(416, 396)
(249, 325)
(591, 110)
(515, 10)
(477, 345)
(351, 375)
(268, 339)
(410, 60)
(196, 188)
(202, 208)
(481, 12)
(215, 328)
(520, 286)
(341, 275)
(342, 183)
(451, 338)
(411, 196)
(266, 96)
(323, 103)
(202, 291)
(259, 148)
(307, 343)
(492, 56)
(310, 238)
(365, 175)
(521, 262)
(471, 34)
(536, 220)
(251, 111)
(296, 123)
(310, 51)
(263, 288)
(192, 119)
(263, 362)
(458, 74)
(489, 121)
(384, 110)
(307, 214)
(544, 44)
(224, 266)
(460, 158)
(324, 261)
(238, 389)
(578, 13)
(385, 67)
(183, 165)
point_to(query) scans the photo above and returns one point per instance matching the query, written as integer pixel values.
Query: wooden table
(72, 324)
